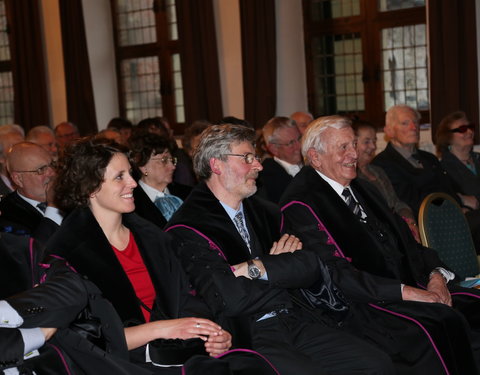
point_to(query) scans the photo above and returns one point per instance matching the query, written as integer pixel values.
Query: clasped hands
(436, 292)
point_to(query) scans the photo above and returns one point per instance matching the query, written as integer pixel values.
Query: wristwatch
(253, 271)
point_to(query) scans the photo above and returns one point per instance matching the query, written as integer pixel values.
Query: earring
(146, 173)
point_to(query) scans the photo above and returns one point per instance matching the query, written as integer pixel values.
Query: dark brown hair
(81, 170)
(443, 136)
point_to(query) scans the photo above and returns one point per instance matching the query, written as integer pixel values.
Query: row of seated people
(355, 274)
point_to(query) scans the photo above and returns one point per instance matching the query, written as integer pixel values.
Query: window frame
(369, 24)
(163, 49)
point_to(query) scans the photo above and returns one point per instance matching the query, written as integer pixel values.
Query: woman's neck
(111, 223)
(159, 187)
(461, 152)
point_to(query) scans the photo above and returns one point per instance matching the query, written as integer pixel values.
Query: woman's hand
(217, 344)
(184, 328)
(187, 328)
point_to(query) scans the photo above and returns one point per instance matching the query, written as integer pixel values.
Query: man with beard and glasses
(230, 245)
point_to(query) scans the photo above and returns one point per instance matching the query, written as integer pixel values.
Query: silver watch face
(253, 271)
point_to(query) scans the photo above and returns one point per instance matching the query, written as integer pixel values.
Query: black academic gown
(145, 208)
(370, 270)
(209, 245)
(272, 180)
(81, 241)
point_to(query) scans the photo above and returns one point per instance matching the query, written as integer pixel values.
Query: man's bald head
(29, 166)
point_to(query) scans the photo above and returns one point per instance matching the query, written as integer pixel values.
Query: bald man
(302, 119)
(23, 211)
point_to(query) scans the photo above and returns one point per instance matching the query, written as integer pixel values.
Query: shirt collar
(334, 184)
(33, 202)
(292, 169)
(404, 152)
(230, 211)
(151, 192)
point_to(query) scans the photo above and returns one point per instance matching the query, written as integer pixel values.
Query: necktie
(42, 206)
(168, 204)
(238, 220)
(352, 204)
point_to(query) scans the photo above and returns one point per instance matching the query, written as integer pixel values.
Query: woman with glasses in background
(454, 141)
(156, 196)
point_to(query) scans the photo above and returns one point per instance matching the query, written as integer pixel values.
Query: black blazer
(315, 213)
(18, 216)
(272, 180)
(81, 241)
(210, 244)
(412, 184)
(462, 178)
(145, 208)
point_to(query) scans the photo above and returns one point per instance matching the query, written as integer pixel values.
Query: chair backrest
(443, 227)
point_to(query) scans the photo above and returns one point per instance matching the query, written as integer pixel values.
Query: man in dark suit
(282, 139)
(375, 260)
(415, 173)
(230, 245)
(29, 210)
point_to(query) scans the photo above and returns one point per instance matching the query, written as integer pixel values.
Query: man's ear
(313, 157)
(215, 166)
(388, 130)
(17, 179)
(272, 149)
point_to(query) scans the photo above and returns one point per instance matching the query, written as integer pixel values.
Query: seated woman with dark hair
(128, 258)
(454, 142)
(156, 196)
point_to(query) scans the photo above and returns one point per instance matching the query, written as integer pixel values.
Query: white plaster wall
(291, 72)
(227, 24)
(101, 53)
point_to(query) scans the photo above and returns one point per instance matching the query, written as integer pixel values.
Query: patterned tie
(238, 220)
(42, 206)
(352, 204)
(167, 205)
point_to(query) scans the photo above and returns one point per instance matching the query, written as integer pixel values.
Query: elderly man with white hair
(402, 290)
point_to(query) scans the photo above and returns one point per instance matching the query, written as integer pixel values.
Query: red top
(133, 265)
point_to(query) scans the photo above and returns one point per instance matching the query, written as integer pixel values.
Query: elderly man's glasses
(463, 128)
(248, 157)
(166, 159)
(288, 144)
(40, 170)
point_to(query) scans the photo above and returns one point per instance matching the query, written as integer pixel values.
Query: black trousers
(296, 345)
(421, 338)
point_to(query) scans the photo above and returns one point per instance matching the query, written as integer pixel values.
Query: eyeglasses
(288, 144)
(463, 128)
(166, 159)
(248, 157)
(40, 170)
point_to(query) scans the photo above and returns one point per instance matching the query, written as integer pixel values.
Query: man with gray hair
(375, 260)
(43, 136)
(282, 140)
(230, 246)
(416, 173)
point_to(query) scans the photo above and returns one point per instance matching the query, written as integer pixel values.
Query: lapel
(403, 163)
(203, 211)
(145, 208)
(343, 225)
(19, 211)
